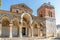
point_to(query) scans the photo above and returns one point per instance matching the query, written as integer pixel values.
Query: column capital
(31, 26)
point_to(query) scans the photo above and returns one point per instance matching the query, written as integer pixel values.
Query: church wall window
(16, 11)
(41, 15)
(50, 14)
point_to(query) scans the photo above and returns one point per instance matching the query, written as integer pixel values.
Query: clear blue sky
(33, 4)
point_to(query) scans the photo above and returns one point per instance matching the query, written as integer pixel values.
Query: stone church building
(19, 22)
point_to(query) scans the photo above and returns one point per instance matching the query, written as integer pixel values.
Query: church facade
(19, 22)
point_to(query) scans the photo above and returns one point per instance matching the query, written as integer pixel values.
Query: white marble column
(11, 30)
(20, 31)
(0, 29)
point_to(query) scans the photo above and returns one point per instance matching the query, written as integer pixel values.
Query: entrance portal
(23, 31)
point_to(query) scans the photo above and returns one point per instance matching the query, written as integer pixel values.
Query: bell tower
(47, 12)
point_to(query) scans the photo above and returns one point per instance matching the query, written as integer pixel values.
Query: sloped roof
(47, 5)
(21, 5)
(7, 12)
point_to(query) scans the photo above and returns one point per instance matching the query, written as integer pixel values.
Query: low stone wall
(28, 39)
(24, 38)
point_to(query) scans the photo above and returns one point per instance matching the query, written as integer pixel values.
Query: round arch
(35, 28)
(5, 26)
(26, 19)
(15, 21)
(35, 24)
(5, 21)
(28, 15)
(15, 28)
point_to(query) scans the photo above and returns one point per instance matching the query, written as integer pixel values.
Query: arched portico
(26, 21)
(15, 27)
(5, 26)
(42, 29)
(28, 16)
(35, 29)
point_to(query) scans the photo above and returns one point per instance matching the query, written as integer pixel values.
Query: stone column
(29, 32)
(0, 29)
(38, 32)
(26, 31)
(11, 30)
(20, 30)
(32, 30)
